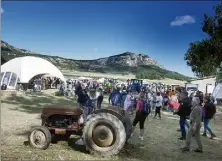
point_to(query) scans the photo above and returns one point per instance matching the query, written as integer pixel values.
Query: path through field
(19, 112)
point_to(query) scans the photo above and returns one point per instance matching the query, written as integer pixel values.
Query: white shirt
(149, 96)
(159, 100)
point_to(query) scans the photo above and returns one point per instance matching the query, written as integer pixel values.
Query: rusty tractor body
(104, 132)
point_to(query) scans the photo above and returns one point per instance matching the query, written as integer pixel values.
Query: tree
(205, 56)
(219, 73)
(219, 77)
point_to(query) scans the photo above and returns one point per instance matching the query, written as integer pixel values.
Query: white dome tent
(23, 69)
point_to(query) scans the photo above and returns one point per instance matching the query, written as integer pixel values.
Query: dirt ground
(20, 112)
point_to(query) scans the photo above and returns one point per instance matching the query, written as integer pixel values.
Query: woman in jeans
(140, 115)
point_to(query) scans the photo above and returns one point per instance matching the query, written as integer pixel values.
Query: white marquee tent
(25, 68)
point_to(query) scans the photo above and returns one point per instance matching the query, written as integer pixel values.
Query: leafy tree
(205, 56)
(152, 72)
(219, 77)
(219, 73)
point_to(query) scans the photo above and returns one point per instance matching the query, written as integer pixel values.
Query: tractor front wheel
(40, 137)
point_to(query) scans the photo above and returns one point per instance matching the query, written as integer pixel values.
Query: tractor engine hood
(60, 110)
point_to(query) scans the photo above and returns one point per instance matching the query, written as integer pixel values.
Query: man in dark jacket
(82, 98)
(199, 94)
(184, 111)
(210, 110)
(100, 99)
(78, 88)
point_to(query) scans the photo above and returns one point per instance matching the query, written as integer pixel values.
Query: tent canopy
(29, 66)
(85, 78)
(101, 80)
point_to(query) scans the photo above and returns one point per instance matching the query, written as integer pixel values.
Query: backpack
(116, 99)
(146, 107)
(214, 109)
(211, 110)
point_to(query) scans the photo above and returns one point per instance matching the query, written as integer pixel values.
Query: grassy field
(21, 111)
(96, 75)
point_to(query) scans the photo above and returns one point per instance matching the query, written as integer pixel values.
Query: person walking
(100, 99)
(165, 101)
(116, 97)
(141, 115)
(186, 125)
(194, 130)
(69, 89)
(111, 96)
(128, 103)
(78, 89)
(92, 101)
(159, 104)
(153, 100)
(210, 110)
(183, 111)
(172, 93)
(82, 98)
(123, 98)
(39, 84)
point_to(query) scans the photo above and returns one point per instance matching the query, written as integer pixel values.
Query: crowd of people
(72, 87)
(195, 107)
(197, 110)
(42, 83)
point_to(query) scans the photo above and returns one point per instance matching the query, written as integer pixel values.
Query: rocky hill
(126, 59)
(5, 45)
(141, 65)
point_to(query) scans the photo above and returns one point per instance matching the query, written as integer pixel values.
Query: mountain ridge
(128, 62)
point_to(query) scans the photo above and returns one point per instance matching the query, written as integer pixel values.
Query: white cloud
(95, 49)
(181, 20)
(2, 11)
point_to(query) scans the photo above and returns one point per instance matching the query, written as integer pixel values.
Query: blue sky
(87, 30)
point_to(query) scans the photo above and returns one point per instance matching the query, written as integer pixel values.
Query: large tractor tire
(104, 134)
(128, 125)
(40, 137)
(121, 115)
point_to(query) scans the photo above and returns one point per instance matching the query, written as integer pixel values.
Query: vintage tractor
(104, 132)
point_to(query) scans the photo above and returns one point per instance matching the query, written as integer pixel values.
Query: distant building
(205, 84)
